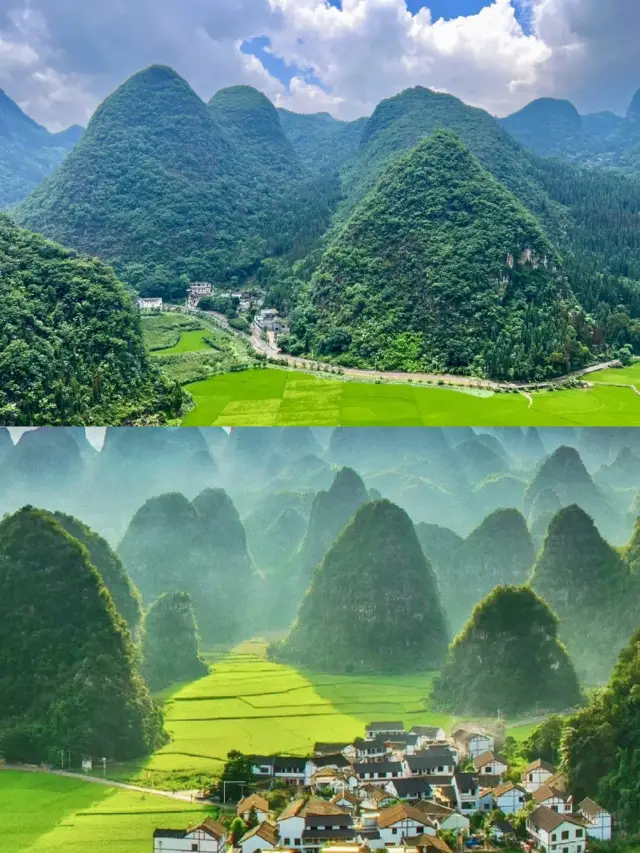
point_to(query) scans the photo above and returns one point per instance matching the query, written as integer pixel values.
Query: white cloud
(59, 58)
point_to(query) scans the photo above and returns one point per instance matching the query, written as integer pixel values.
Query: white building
(509, 798)
(402, 821)
(269, 320)
(536, 774)
(261, 837)
(555, 832)
(428, 734)
(436, 761)
(207, 837)
(473, 742)
(379, 772)
(200, 288)
(490, 763)
(558, 801)
(150, 303)
(374, 731)
(256, 803)
(599, 823)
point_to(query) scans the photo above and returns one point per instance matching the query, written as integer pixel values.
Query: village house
(536, 774)
(442, 817)
(426, 844)
(309, 825)
(467, 790)
(255, 803)
(346, 749)
(346, 800)
(414, 788)
(400, 821)
(378, 771)
(210, 836)
(486, 801)
(150, 303)
(407, 744)
(261, 837)
(428, 734)
(435, 761)
(599, 823)
(551, 831)
(370, 748)
(553, 799)
(509, 797)
(373, 798)
(490, 763)
(290, 770)
(472, 742)
(375, 731)
(333, 779)
(502, 830)
(367, 831)
(269, 320)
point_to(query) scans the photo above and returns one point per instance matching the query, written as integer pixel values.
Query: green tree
(170, 644)
(544, 741)
(236, 777)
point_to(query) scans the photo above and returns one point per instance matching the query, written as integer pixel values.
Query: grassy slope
(286, 398)
(620, 376)
(44, 814)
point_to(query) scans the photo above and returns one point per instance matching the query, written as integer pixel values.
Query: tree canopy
(170, 646)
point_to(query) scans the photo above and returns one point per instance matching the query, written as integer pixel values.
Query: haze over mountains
(410, 521)
(169, 189)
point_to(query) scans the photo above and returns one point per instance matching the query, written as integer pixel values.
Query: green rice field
(41, 813)
(629, 375)
(191, 341)
(275, 397)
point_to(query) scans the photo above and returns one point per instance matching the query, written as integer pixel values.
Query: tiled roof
(538, 764)
(590, 808)
(266, 831)
(548, 820)
(401, 811)
(488, 757)
(253, 801)
(506, 787)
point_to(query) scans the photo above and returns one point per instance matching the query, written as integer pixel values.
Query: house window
(579, 833)
(565, 850)
(194, 847)
(565, 835)
(554, 837)
(554, 808)
(298, 842)
(579, 848)
(286, 842)
(531, 777)
(394, 831)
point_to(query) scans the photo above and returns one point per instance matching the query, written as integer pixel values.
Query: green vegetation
(320, 141)
(199, 547)
(190, 349)
(285, 398)
(589, 586)
(618, 376)
(58, 629)
(170, 645)
(601, 744)
(476, 285)
(28, 152)
(524, 666)
(71, 351)
(48, 814)
(357, 616)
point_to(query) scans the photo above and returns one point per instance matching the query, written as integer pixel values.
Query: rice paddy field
(41, 813)
(275, 397)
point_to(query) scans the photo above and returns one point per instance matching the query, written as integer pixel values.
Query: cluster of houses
(396, 790)
(150, 303)
(198, 289)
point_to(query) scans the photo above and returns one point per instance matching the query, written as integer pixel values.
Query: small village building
(552, 799)
(599, 822)
(210, 836)
(426, 844)
(269, 320)
(406, 744)
(367, 831)
(200, 288)
(333, 779)
(373, 798)
(375, 731)
(486, 800)
(322, 748)
(490, 763)
(288, 769)
(365, 749)
(473, 742)
(414, 788)
(467, 791)
(378, 771)
(402, 821)
(561, 833)
(256, 803)
(346, 800)
(150, 303)
(502, 830)
(428, 734)
(536, 774)
(349, 847)
(436, 761)
(309, 825)
(261, 837)
(442, 817)
(509, 797)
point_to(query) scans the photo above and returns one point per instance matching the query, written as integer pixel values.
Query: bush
(240, 324)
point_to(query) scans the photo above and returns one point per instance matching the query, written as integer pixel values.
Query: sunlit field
(287, 398)
(629, 375)
(46, 814)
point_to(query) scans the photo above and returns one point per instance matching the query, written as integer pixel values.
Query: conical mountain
(84, 366)
(515, 316)
(623, 472)
(589, 587)
(252, 122)
(564, 473)
(480, 460)
(632, 552)
(633, 113)
(508, 659)
(28, 152)
(373, 602)
(126, 597)
(322, 142)
(63, 647)
(498, 552)
(150, 187)
(547, 126)
(170, 645)
(6, 443)
(331, 512)
(274, 547)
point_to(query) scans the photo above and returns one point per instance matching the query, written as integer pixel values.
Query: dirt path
(183, 796)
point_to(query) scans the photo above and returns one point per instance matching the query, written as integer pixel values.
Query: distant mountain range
(370, 238)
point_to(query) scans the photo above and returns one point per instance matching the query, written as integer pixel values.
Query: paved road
(183, 796)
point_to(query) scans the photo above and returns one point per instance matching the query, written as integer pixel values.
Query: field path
(183, 796)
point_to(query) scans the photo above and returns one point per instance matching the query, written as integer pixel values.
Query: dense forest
(71, 349)
(169, 189)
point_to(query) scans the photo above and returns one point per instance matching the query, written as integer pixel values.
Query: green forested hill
(357, 615)
(68, 667)
(441, 268)
(28, 152)
(322, 142)
(524, 666)
(71, 348)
